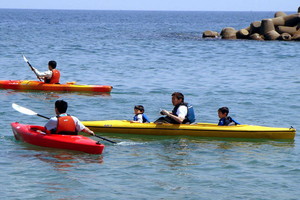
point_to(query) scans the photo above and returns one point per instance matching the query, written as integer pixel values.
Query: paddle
(27, 111)
(104, 139)
(31, 67)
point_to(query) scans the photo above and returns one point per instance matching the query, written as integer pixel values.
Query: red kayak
(38, 85)
(35, 135)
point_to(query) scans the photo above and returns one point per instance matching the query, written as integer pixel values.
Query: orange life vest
(55, 77)
(66, 126)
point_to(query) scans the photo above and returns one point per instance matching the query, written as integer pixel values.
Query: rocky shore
(280, 27)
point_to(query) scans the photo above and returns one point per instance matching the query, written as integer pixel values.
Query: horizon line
(82, 9)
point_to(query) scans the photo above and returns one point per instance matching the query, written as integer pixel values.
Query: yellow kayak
(199, 129)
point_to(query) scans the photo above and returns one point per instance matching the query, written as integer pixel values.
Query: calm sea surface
(146, 56)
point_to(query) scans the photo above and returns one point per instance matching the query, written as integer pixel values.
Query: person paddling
(63, 123)
(51, 76)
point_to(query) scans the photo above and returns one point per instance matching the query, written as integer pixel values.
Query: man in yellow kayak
(65, 124)
(182, 113)
(51, 76)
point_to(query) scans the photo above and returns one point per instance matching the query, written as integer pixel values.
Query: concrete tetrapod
(228, 33)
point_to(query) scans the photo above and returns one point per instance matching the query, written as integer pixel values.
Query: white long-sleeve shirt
(45, 74)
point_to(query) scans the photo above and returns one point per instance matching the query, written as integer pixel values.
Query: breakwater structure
(280, 27)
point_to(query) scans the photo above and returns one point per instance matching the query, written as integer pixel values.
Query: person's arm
(179, 118)
(80, 127)
(51, 124)
(46, 74)
(87, 130)
(176, 118)
(133, 121)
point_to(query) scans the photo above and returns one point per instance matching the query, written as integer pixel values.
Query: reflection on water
(54, 187)
(48, 95)
(179, 152)
(62, 160)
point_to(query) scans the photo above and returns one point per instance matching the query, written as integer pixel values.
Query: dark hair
(224, 110)
(52, 64)
(140, 108)
(178, 95)
(61, 106)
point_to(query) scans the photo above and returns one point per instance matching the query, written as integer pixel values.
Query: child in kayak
(65, 124)
(224, 119)
(139, 116)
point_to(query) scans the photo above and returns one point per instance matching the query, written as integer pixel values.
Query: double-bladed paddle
(27, 111)
(31, 67)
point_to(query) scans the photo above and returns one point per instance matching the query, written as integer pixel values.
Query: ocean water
(146, 56)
